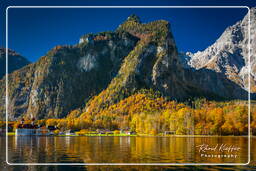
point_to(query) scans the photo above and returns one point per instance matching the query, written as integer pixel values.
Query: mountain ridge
(164, 73)
(104, 68)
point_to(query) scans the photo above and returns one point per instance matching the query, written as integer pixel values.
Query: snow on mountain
(185, 58)
(229, 54)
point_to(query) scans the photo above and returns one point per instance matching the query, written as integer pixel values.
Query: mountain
(66, 76)
(15, 61)
(229, 54)
(155, 64)
(107, 67)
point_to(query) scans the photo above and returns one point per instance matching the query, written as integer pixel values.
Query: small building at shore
(31, 129)
(70, 132)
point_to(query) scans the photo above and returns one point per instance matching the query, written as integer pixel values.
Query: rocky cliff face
(154, 64)
(229, 54)
(107, 67)
(15, 61)
(66, 77)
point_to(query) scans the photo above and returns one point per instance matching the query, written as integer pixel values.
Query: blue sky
(33, 32)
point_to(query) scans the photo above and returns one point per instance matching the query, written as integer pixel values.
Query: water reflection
(25, 149)
(58, 142)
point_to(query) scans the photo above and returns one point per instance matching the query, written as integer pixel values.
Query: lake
(82, 149)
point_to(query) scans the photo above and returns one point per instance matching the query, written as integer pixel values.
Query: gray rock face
(229, 54)
(87, 63)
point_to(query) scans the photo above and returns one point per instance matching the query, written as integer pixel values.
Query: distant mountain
(15, 61)
(229, 54)
(107, 67)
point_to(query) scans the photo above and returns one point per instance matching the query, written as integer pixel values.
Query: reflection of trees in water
(152, 145)
(100, 149)
(115, 149)
(163, 149)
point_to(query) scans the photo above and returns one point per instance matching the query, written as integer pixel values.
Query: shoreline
(142, 135)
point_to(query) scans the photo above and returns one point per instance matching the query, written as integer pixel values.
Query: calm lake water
(25, 149)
